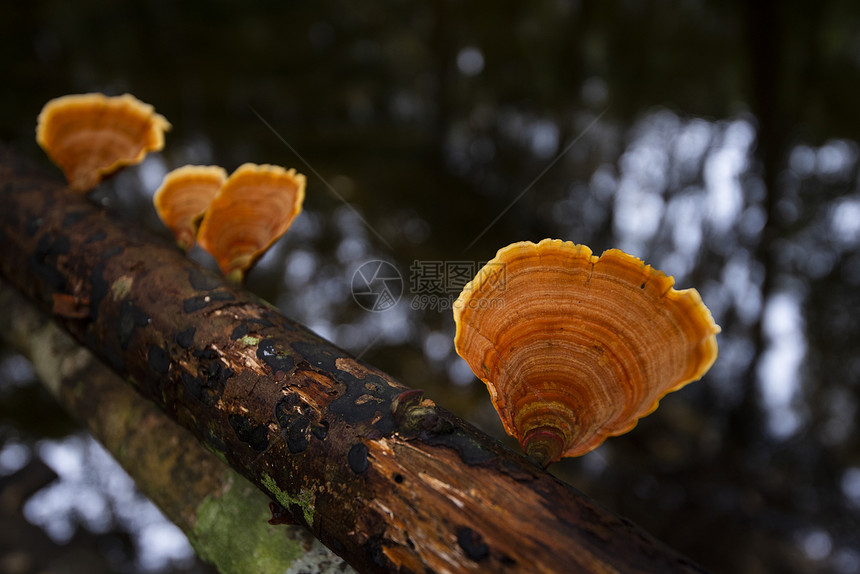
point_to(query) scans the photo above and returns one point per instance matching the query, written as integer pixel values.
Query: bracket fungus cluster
(237, 218)
(575, 348)
(90, 136)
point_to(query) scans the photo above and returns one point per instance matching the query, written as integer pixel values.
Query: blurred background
(715, 140)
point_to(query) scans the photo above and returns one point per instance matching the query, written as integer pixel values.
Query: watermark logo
(377, 286)
(433, 285)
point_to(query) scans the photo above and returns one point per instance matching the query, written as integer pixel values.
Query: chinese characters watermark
(433, 285)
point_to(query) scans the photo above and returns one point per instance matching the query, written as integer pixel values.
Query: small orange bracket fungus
(90, 136)
(575, 348)
(183, 198)
(254, 207)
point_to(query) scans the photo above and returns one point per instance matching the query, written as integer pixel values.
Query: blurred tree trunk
(768, 83)
(380, 474)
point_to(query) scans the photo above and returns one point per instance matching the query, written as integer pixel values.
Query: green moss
(233, 533)
(249, 341)
(305, 499)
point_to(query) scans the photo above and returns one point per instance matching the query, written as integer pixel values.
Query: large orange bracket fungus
(575, 348)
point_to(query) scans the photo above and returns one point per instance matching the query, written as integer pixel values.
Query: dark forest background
(715, 140)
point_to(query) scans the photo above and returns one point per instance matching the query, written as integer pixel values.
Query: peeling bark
(379, 473)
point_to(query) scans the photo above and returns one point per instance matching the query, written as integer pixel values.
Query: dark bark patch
(239, 332)
(320, 431)
(472, 543)
(48, 274)
(365, 400)
(185, 339)
(195, 303)
(202, 280)
(43, 261)
(289, 406)
(321, 356)
(196, 386)
(201, 301)
(206, 353)
(130, 318)
(221, 296)
(297, 435)
(158, 360)
(448, 435)
(211, 379)
(292, 414)
(254, 436)
(357, 458)
(376, 553)
(261, 321)
(277, 361)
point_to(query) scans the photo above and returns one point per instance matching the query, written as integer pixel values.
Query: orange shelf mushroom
(575, 348)
(183, 198)
(254, 207)
(90, 136)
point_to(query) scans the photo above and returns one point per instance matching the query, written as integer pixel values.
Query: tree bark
(223, 515)
(379, 473)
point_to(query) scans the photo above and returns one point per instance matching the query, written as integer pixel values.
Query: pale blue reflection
(438, 346)
(151, 173)
(816, 544)
(470, 61)
(845, 222)
(14, 456)
(300, 268)
(850, 484)
(742, 277)
(459, 372)
(779, 367)
(723, 168)
(835, 160)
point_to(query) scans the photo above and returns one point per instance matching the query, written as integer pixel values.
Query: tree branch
(224, 516)
(380, 474)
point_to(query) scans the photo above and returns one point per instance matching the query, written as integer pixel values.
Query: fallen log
(379, 473)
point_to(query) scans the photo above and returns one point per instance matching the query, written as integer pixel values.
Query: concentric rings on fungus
(255, 206)
(90, 136)
(576, 348)
(183, 198)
